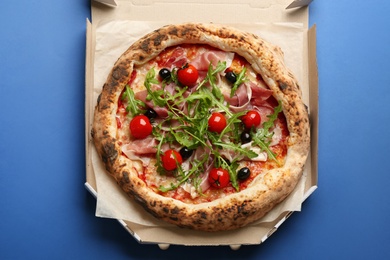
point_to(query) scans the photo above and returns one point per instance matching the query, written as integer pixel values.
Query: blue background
(46, 213)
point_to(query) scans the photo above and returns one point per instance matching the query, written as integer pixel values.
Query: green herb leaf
(240, 79)
(211, 74)
(262, 137)
(197, 165)
(271, 118)
(156, 96)
(134, 106)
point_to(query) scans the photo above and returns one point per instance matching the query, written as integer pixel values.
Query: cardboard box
(291, 17)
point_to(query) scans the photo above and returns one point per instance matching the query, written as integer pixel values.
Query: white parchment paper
(112, 39)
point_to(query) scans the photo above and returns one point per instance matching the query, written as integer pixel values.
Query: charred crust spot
(174, 218)
(203, 214)
(109, 153)
(173, 32)
(119, 72)
(175, 210)
(159, 38)
(233, 36)
(221, 31)
(297, 123)
(104, 107)
(293, 104)
(99, 97)
(111, 85)
(188, 32)
(166, 210)
(140, 200)
(282, 85)
(153, 204)
(185, 31)
(124, 181)
(93, 132)
(125, 176)
(145, 45)
(151, 211)
(141, 58)
(241, 208)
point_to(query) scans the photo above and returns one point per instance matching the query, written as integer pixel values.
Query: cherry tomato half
(140, 127)
(251, 119)
(170, 159)
(219, 178)
(187, 75)
(217, 122)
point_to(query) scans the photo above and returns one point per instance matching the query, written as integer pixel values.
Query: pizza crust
(235, 210)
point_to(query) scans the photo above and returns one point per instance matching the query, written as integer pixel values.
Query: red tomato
(187, 75)
(171, 159)
(251, 119)
(219, 178)
(140, 127)
(217, 122)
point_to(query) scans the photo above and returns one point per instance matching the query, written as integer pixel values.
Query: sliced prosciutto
(202, 62)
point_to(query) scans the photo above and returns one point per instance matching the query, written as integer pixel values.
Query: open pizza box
(117, 23)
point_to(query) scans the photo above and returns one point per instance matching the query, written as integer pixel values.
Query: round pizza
(203, 125)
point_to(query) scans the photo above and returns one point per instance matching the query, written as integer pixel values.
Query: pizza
(203, 125)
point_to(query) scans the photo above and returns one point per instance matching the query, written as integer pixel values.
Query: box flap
(107, 2)
(176, 11)
(294, 4)
(299, 3)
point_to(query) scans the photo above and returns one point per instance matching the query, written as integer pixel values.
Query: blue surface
(46, 213)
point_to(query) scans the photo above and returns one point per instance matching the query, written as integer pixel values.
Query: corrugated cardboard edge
(313, 99)
(137, 231)
(89, 109)
(294, 4)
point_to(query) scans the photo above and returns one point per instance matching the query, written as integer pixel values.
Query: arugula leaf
(193, 170)
(240, 79)
(231, 125)
(211, 74)
(233, 174)
(270, 122)
(237, 148)
(155, 96)
(161, 138)
(183, 138)
(220, 105)
(133, 105)
(231, 167)
(262, 137)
